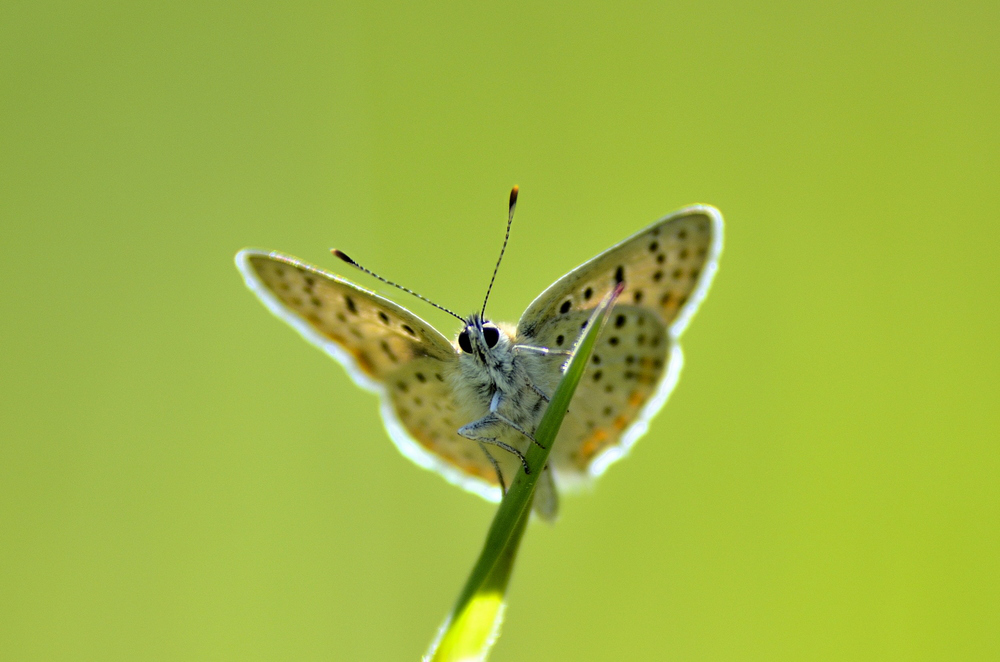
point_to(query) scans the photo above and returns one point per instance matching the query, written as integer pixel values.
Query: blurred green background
(183, 478)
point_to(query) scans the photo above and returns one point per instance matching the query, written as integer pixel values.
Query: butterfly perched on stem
(468, 409)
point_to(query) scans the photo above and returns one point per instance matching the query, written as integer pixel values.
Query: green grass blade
(474, 623)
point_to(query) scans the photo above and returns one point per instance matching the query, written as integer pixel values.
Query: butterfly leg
(496, 467)
(474, 431)
(545, 351)
(512, 424)
(540, 392)
(495, 416)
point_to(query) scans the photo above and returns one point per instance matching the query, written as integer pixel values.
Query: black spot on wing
(388, 352)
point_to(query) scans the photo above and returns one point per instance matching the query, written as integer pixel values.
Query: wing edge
(707, 273)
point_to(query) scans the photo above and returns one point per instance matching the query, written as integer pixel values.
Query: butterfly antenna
(343, 256)
(510, 219)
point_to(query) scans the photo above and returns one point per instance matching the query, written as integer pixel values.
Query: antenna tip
(343, 256)
(513, 196)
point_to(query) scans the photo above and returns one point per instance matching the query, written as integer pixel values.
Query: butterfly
(468, 408)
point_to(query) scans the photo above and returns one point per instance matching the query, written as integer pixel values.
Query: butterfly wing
(386, 349)
(667, 269)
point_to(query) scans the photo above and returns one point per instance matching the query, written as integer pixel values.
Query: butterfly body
(468, 409)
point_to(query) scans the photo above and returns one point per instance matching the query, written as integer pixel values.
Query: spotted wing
(386, 349)
(667, 269)
(370, 334)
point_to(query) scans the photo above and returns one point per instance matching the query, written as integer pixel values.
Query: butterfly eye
(463, 342)
(491, 335)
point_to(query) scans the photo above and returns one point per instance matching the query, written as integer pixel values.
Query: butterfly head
(483, 340)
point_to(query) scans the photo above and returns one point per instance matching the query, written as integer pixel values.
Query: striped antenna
(510, 219)
(343, 256)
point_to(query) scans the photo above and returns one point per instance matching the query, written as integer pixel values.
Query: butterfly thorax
(496, 377)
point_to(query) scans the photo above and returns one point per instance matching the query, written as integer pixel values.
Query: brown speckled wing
(386, 349)
(667, 269)
(378, 335)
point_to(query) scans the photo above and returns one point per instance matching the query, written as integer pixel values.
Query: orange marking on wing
(635, 399)
(620, 423)
(592, 444)
(364, 362)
